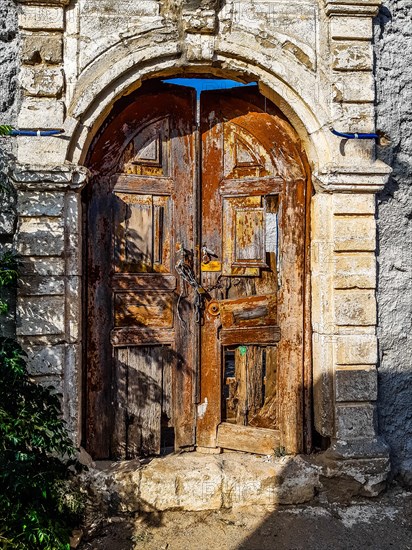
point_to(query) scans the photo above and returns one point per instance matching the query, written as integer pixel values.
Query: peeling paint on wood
(149, 329)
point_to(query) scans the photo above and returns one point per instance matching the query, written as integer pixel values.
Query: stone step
(195, 481)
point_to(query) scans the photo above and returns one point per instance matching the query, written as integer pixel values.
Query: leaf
(5, 130)
(38, 506)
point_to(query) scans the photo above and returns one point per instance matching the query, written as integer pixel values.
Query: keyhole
(213, 308)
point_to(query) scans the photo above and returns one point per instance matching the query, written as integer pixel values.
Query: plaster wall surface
(9, 45)
(8, 63)
(393, 48)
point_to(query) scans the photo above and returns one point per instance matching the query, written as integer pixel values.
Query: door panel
(145, 375)
(139, 399)
(250, 162)
(142, 227)
(148, 153)
(243, 239)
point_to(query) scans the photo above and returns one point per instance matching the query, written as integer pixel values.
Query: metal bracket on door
(207, 263)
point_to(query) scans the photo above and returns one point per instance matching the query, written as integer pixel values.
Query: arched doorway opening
(196, 259)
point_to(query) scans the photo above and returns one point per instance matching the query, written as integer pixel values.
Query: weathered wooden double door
(195, 255)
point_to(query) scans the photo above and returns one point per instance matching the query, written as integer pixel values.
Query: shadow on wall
(394, 213)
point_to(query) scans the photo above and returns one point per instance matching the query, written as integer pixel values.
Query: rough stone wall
(8, 115)
(8, 63)
(393, 40)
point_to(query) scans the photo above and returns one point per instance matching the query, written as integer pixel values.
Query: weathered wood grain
(251, 186)
(248, 312)
(137, 336)
(124, 183)
(137, 282)
(264, 335)
(247, 439)
(144, 309)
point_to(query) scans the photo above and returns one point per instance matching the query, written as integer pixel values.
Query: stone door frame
(346, 178)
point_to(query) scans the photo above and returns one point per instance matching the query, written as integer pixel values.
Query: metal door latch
(207, 254)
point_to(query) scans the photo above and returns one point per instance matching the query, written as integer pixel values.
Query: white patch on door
(201, 409)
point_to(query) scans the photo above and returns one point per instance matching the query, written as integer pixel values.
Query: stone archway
(315, 86)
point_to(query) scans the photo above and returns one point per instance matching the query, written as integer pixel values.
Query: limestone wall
(394, 93)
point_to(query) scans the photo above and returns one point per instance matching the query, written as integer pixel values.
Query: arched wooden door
(196, 254)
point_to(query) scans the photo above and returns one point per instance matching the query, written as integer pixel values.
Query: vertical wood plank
(290, 312)
(167, 406)
(99, 360)
(120, 385)
(158, 217)
(241, 368)
(184, 356)
(162, 230)
(271, 371)
(254, 381)
(209, 408)
(144, 400)
(267, 416)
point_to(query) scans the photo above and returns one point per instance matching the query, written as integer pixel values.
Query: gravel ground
(379, 524)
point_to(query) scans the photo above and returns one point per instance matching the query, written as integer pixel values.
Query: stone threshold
(194, 481)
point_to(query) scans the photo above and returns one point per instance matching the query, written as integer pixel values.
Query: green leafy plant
(5, 129)
(38, 503)
(8, 275)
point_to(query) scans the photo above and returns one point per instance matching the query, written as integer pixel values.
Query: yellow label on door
(212, 266)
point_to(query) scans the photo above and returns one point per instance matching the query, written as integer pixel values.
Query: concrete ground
(379, 524)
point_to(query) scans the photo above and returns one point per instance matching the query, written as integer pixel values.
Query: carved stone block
(355, 421)
(42, 81)
(356, 384)
(41, 113)
(41, 17)
(356, 349)
(355, 307)
(199, 21)
(37, 315)
(41, 48)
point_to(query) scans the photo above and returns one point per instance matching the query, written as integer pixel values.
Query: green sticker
(242, 350)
